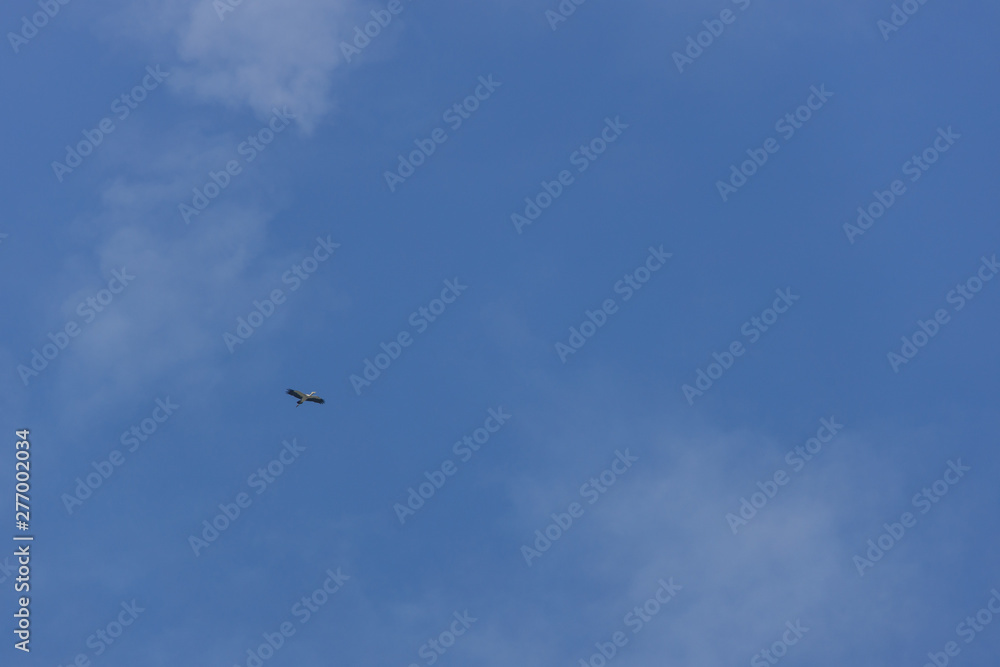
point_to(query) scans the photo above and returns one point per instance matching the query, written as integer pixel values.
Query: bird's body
(311, 396)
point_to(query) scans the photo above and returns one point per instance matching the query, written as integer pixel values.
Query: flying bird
(311, 396)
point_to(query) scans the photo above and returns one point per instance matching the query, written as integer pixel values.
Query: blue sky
(259, 108)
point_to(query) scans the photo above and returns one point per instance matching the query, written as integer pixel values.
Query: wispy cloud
(264, 54)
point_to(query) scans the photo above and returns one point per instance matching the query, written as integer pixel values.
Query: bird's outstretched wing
(297, 394)
(315, 399)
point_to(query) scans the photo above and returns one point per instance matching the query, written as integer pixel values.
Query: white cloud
(262, 54)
